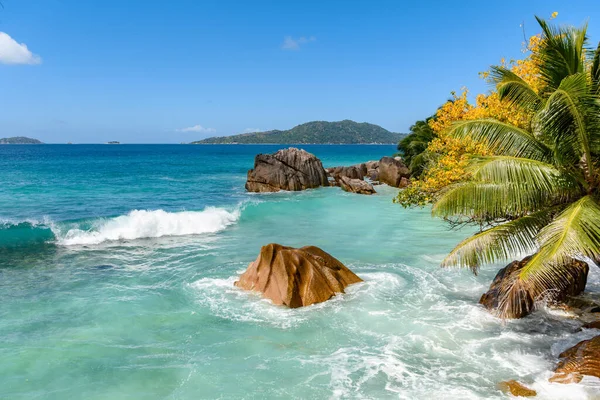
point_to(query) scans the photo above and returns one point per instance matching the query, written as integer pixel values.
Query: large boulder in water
(288, 169)
(581, 359)
(296, 277)
(355, 185)
(508, 276)
(391, 171)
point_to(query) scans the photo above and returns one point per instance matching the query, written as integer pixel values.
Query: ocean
(117, 265)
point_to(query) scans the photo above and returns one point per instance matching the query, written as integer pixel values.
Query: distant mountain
(19, 140)
(316, 132)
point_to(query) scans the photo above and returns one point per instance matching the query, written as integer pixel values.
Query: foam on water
(141, 304)
(151, 224)
(415, 350)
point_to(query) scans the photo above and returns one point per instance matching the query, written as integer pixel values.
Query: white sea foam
(139, 224)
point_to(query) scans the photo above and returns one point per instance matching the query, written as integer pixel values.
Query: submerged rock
(392, 170)
(516, 389)
(592, 325)
(507, 277)
(288, 169)
(581, 359)
(356, 186)
(296, 277)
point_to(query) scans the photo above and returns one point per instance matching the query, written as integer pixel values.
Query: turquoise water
(117, 266)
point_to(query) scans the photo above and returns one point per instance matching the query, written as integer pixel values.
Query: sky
(182, 70)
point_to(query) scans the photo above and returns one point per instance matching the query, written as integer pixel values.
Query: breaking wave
(137, 224)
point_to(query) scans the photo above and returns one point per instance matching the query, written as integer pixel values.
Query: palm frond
(562, 52)
(515, 90)
(491, 201)
(563, 120)
(595, 71)
(500, 242)
(574, 233)
(419, 163)
(502, 138)
(524, 171)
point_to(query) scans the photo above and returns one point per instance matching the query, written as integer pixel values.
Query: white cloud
(252, 130)
(197, 128)
(12, 52)
(289, 43)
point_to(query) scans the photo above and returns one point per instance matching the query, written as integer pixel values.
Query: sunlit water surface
(117, 266)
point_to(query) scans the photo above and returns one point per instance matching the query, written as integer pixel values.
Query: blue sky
(175, 71)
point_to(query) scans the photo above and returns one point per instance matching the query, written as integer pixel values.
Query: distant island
(316, 132)
(113, 142)
(19, 140)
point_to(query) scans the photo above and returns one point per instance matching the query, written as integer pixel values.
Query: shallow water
(117, 266)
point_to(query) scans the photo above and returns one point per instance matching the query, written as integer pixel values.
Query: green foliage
(413, 147)
(540, 192)
(317, 132)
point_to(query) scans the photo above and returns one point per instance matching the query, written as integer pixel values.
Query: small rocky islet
(300, 277)
(295, 169)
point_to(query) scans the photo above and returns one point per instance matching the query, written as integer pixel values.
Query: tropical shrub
(413, 147)
(448, 156)
(534, 187)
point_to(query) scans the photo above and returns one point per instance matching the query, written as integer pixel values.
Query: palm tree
(539, 192)
(414, 146)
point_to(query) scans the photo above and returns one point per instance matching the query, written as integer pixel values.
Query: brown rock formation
(352, 172)
(356, 185)
(516, 389)
(581, 359)
(296, 277)
(288, 169)
(373, 174)
(391, 171)
(592, 325)
(507, 276)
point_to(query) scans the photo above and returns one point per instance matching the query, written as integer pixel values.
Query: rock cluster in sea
(295, 169)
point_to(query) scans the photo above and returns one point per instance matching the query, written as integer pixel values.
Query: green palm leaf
(561, 54)
(564, 118)
(574, 233)
(595, 71)
(524, 171)
(502, 138)
(513, 89)
(491, 201)
(500, 242)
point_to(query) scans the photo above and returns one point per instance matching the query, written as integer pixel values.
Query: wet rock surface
(288, 169)
(296, 277)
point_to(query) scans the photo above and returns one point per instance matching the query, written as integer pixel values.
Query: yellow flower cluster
(452, 155)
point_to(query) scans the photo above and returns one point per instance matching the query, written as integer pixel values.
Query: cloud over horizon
(289, 43)
(252, 130)
(197, 129)
(12, 52)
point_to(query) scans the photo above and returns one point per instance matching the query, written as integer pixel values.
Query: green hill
(19, 140)
(317, 132)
